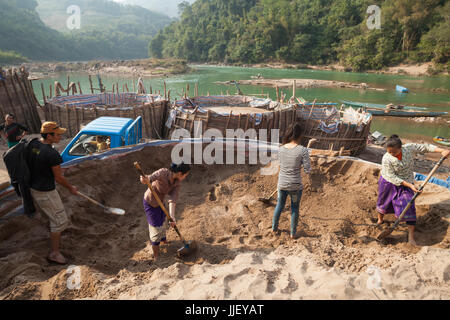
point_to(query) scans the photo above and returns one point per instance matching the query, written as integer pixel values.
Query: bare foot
(380, 222)
(57, 257)
(412, 242)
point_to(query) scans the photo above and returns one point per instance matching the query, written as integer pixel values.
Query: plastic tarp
(104, 99)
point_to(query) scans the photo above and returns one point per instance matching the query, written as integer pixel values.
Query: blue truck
(103, 134)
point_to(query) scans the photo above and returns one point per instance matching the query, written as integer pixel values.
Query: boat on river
(401, 89)
(443, 141)
(357, 104)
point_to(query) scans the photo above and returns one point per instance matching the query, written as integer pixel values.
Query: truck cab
(103, 134)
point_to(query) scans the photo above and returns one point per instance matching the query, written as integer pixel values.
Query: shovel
(267, 200)
(388, 231)
(116, 211)
(188, 247)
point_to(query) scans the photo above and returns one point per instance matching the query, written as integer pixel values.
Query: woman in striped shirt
(292, 157)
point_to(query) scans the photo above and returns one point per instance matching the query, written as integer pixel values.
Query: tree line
(308, 32)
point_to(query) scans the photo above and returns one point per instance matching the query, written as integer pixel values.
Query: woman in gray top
(292, 157)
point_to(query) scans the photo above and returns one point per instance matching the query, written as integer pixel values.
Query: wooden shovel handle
(430, 175)
(141, 172)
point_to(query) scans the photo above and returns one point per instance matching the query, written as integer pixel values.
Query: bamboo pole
(69, 127)
(20, 102)
(43, 93)
(11, 104)
(90, 82)
(35, 119)
(165, 91)
(77, 121)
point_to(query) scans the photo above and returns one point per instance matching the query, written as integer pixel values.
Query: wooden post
(165, 91)
(228, 123)
(126, 86)
(293, 89)
(168, 95)
(207, 119)
(90, 82)
(278, 93)
(20, 102)
(69, 127)
(43, 93)
(77, 121)
(82, 115)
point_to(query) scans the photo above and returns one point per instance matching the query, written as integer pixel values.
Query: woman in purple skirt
(396, 185)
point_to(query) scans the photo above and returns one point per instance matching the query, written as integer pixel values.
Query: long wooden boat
(405, 114)
(357, 104)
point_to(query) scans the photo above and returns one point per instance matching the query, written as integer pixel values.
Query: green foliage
(307, 32)
(108, 30)
(11, 57)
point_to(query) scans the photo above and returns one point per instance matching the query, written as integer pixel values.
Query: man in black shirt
(13, 131)
(45, 169)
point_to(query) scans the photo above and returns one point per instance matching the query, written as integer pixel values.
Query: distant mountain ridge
(168, 7)
(100, 14)
(108, 30)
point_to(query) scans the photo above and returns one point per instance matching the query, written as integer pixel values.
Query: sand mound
(218, 207)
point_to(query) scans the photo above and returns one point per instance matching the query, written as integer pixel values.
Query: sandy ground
(335, 257)
(419, 69)
(148, 68)
(304, 83)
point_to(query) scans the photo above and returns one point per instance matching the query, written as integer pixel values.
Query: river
(421, 93)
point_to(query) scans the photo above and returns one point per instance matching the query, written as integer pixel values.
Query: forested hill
(108, 30)
(168, 7)
(309, 32)
(102, 14)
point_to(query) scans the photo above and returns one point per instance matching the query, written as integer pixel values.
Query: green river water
(420, 91)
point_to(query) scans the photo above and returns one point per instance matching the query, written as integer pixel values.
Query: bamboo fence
(17, 98)
(74, 117)
(349, 137)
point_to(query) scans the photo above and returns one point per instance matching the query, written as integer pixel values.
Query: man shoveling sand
(164, 182)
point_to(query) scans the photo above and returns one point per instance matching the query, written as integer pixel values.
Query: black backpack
(17, 163)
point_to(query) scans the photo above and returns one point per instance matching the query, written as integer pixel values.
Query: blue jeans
(295, 208)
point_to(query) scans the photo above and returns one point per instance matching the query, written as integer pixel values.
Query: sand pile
(238, 256)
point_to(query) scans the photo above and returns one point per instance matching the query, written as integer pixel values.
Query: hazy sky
(168, 7)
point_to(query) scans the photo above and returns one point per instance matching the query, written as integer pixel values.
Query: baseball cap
(52, 127)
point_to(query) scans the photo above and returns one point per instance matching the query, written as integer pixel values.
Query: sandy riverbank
(138, 68)
(336, 256)
(418, 69)
(303, 83)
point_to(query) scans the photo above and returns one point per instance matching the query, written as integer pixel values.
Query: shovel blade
(116, 211)
(187, 249)
(385, 233)
(265, 201)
